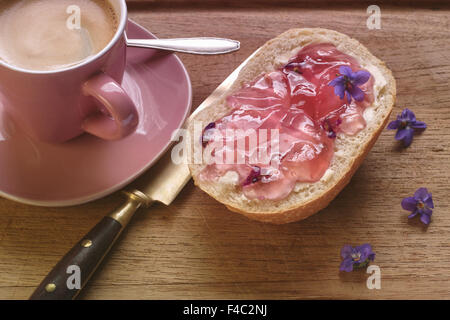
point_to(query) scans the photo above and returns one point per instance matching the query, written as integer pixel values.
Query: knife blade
(161, 183)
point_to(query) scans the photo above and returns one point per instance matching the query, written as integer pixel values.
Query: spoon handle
(188, 45)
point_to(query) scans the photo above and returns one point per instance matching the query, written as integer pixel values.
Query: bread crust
(294, 207)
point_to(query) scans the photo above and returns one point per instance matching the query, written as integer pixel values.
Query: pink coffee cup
(55, 106)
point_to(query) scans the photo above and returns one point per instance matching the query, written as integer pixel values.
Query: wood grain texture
(196, 248)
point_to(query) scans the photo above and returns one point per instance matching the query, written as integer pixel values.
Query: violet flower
(406, 124)
(420, 204)
(294, 66)
(253, 177)
(357, 257)
(331, 127)
(207, 133)
(348, 82)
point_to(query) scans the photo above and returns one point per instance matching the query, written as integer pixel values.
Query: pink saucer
(88, 168)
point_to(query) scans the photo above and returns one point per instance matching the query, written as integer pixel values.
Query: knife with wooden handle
(161, 183)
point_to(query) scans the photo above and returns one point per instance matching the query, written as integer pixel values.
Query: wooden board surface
(196, 248)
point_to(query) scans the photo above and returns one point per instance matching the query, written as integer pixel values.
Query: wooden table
(196, 248)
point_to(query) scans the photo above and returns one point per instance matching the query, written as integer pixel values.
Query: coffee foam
(34, 33)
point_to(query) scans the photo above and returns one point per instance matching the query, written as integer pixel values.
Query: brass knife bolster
(135, 200)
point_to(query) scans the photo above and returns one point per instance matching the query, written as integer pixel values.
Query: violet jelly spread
(301, 102)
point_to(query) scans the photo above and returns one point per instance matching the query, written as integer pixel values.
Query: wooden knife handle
(74, 270)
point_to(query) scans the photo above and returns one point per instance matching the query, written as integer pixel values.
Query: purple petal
(337, 81)
(360, 77)
(408, 115)
(429, 201)
(419, 125)
(402, 134)
(253, 176)
(394, 124)
(366, 251)
(427, 211)
(208, 134)
(366, 247)
(406, 135)
(408, 139)
(346, 251)
(412, 215)
(346, 71)
(425, 218)
(347, 265)
(357, 93)
(349, 96)
(293, 66)
(421, 194)
(210, 126)
(409, 204)
(339, 90)
(371, 256)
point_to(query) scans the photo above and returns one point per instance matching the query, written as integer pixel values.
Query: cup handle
(123, 116)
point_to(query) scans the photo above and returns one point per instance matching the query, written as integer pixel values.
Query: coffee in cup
(54, 34)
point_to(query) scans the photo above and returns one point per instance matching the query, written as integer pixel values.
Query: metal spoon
(201, 45)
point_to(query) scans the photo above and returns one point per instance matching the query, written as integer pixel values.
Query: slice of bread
(306, 198)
